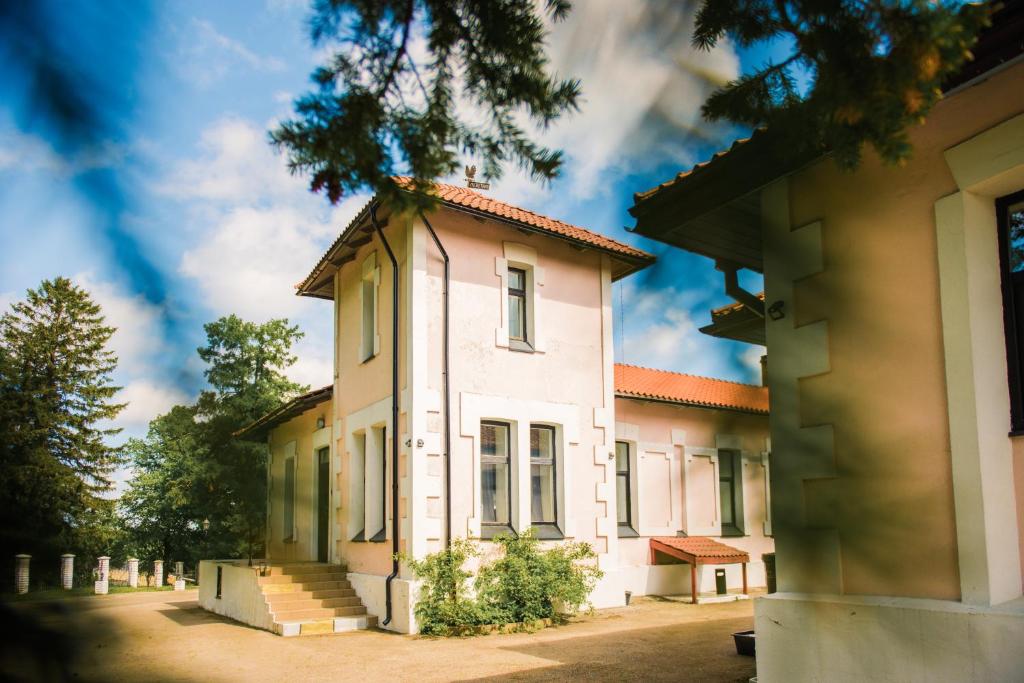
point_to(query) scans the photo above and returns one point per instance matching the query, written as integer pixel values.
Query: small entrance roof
(257, 431)
(698, 550)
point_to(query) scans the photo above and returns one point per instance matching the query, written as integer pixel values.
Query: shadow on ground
(678, 652)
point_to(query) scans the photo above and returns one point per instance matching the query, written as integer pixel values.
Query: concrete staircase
(313, 598)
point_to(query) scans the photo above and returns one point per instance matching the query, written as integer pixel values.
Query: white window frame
(524, 258)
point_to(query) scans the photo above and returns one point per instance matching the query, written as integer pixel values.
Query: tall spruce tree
(382, 105)
(55, 395)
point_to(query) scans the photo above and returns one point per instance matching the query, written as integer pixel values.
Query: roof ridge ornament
(473, 184)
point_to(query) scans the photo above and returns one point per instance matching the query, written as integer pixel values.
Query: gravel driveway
(166, 637)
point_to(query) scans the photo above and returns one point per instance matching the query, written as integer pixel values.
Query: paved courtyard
(166, 637)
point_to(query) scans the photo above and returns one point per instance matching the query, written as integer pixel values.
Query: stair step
(288, 596)
(305, 569)
(318, 613)
(313, 627)
(335, 575)
(295, 605)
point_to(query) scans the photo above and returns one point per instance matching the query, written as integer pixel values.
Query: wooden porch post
(693, 583)
(744, 578)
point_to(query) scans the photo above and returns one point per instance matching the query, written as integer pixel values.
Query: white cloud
(138, 337)
(25, 152)
(260, 230)
(146, 400)
(207, 55)
(642, 88)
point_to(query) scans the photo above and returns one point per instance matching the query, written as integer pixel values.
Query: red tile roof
(464, 197)
(661, 385)
(699, 548)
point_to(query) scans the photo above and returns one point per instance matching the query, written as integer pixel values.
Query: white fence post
(21, 573)
(102, 586)
(133, 572)
(67, 571)
(158, 572)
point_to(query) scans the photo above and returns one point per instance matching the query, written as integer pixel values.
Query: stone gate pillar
(102, 586)
(158, 572)
(179, 576)
(133, 572)
(21, 573)
(67, 571)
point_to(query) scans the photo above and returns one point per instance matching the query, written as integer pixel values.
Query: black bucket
(744, 643)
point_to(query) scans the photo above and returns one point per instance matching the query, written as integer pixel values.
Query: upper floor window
(495, 479)
(543, 473)
(729, 474)
(369, 343)
(1010, 215)
(517, 305)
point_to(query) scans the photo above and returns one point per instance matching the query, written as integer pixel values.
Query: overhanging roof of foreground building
(647, 384)
(257, 431)
(625, 258)
(714, 208)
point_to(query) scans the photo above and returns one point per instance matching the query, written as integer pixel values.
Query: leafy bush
(446, 605)
(524, 584)
(528, 583)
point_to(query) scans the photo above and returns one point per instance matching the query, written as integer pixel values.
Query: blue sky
(196, 217)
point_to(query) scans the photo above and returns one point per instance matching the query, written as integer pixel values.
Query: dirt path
(166, 637)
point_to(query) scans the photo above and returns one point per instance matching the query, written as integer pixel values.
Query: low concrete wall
(867, 638)
(240, 598)
(371, 590)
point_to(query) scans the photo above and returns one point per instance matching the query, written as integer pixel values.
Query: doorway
(323, 502)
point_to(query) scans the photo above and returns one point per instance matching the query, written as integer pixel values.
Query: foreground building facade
(892, 316)
(506, 412)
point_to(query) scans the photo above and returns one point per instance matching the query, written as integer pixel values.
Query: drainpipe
(447, 392)
(733, 289)
(394, 416)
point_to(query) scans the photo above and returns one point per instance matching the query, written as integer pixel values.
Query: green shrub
(524, 584)
(446, 605)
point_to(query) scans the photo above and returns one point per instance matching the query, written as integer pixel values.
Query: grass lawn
(82, 591)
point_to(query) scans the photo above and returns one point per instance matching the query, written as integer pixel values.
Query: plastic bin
(769, 570)
(744, 643)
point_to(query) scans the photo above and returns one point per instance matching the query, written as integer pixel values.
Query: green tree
(873, 68)
(382, 106)
(197, 490)
(55, 397)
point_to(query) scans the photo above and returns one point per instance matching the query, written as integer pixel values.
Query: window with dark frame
(624, 489)
(517, 304)
(543, 482)
(289, 499)
(728, 481)
(495, 479)
(1010, 220)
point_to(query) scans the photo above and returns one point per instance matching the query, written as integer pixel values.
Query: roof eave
(690, 404)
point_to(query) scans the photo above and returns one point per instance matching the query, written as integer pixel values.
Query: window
(368, 344)
(357, 473)
(495, 479)
(1010, 216)
(289, 499)
(543, 497)
(623, 489)
(517, 305)
(729, 493)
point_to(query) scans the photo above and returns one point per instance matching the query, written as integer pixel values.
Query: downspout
(394, 416)
(447, 391)
(738, 294)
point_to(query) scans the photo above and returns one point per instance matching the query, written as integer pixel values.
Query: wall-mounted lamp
(320, 423)
(777, 310)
